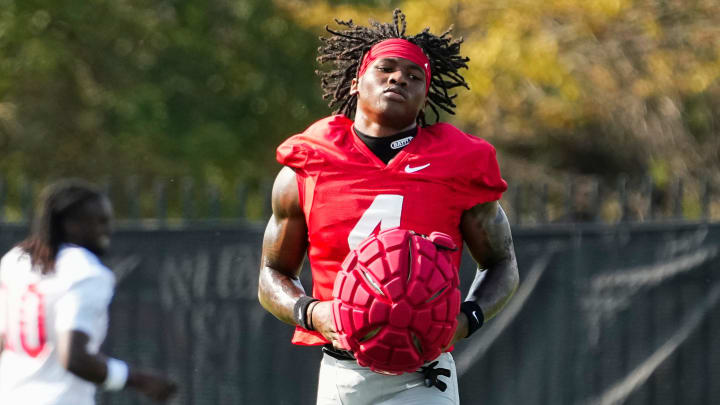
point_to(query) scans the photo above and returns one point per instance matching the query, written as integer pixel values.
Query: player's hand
(153, 386)
(322, 321)
(461, 330)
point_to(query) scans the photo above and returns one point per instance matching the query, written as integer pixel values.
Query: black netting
(604, 315)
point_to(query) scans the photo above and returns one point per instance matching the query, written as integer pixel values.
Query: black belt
(430, 373)
(337, 353)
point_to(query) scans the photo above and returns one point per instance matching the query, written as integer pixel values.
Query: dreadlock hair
(346, 48)
(58, 202)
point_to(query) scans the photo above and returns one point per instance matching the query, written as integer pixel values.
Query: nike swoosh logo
(474, 314)
(409, 169)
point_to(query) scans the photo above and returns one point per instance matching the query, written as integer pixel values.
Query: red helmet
(397, 299)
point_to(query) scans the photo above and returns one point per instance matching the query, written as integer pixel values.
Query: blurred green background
(195, 95)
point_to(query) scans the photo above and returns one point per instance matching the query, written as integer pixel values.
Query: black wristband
(474, 314)
(300, 311)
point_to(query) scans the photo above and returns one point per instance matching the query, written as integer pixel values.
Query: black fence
(605, 314)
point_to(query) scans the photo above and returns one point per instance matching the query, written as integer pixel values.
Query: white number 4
(384, 210)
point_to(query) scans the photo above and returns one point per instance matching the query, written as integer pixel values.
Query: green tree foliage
(207, 89)
(108, 89)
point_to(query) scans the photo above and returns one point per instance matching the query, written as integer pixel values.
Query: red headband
(397, 48)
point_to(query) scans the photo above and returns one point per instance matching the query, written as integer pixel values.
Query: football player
(375, 165)
(54, 297)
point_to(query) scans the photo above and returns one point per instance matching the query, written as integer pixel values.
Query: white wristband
(117, 375)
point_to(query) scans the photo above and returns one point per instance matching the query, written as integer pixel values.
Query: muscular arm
(283, 251)
(284, 247)
(486, 233)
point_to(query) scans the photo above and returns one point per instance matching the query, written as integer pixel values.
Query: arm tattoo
(487, 234)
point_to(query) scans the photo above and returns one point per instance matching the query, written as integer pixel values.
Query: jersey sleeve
(483, 182)
(293, 152)
(84, 305)
(301, 150)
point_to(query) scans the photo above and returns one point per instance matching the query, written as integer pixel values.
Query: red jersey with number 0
(347, 193)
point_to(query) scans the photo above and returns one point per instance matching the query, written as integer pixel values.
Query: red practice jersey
(347, 193)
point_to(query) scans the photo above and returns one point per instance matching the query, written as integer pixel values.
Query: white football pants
(344, 382)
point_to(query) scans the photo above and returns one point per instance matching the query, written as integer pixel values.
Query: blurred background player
(345, 179)
(54, 297)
